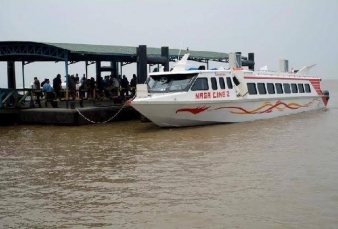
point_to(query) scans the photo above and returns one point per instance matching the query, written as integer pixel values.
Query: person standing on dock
(133, 82)
(71, 86)
(124, 87)
(47, 87)
(50, 96)
(37, 90)
(83, 79)
(43, 82)
(116, 85)
(77, 79)
(57, 86)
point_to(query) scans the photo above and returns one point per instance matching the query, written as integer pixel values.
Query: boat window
(252, 88)
(201, 84)
(213, 83)
(229, 83)
(261, 88)
(279, 88)
(221, 82)
(271, 88)
(236, 82)
(170, 82)
(301, 88)
(150, 82)
(294, 88)
(287, 88)
(307, 88)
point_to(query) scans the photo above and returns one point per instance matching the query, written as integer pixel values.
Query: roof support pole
(207, 64)
(98, 70)
(116, 64)
(86, 69)
(141, 64)
(165, 53)
(11, 74)
(67, 78)
(97, 79)
(23, 74)
(114, 68)
(0, 98)
(121, 66)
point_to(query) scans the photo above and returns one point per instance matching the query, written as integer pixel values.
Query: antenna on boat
(179, 52)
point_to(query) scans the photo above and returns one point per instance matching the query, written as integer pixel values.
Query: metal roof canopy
(42, 51)
(28, 51)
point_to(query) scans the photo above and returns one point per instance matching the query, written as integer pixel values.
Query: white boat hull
(179, 114)
(199, 97)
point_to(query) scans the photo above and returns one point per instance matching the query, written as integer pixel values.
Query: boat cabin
(209, 84)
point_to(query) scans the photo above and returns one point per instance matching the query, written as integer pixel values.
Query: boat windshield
(170, 82)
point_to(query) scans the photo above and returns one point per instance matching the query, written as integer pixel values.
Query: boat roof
(186, 72)
(258, 74)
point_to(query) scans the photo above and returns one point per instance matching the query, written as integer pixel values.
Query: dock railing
(18, 98)
(14, 98)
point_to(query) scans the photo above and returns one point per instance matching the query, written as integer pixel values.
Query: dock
(79, 116)
(14, 107)
(101, 112)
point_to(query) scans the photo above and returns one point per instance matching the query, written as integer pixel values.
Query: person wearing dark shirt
(43, 82)
(57, 86)
(124, 86)
(37, 90)
(133, 83)
(72, 87)
(76, 78)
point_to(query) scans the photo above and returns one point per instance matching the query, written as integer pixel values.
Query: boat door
(239, 81)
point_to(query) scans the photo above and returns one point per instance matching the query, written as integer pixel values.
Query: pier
(102, 112)
(23, 106)
(79, 116)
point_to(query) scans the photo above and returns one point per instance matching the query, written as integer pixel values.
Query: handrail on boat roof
(272, 73)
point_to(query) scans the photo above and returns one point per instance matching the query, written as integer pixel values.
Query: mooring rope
(109, 118)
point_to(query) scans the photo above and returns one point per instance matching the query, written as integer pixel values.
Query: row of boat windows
(201, 84)
(277, 88)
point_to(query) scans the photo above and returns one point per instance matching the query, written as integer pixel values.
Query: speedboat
(200, 96)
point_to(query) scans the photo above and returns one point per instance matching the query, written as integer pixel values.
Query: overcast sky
(302, 31)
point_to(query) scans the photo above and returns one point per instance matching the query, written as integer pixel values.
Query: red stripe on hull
(316, 86)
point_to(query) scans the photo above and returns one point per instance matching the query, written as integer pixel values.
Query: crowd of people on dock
(107, 87)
